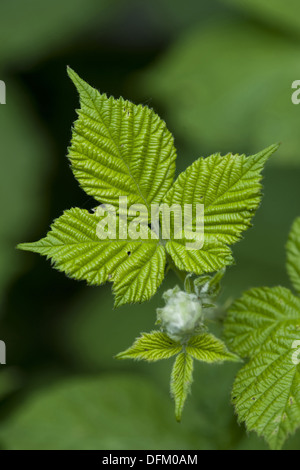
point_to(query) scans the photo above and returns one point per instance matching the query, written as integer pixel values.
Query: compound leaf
(122, 150)
(74, 407)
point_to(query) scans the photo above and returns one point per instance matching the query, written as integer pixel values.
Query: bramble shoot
(144, 222)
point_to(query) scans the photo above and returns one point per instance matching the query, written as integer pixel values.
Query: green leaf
(135, 267)
(96, 413)
(265, 326)
(229, 187)
(181, 381)
(258, 316)
(208, 348)
(266, 393)
(120, 149)
(208, 287)
(293, 255)
(151, 347)
(10, 381)
(212, 257)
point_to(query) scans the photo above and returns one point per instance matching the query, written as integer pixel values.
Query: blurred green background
(220, 74)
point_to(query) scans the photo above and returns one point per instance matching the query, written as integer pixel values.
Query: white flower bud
(181, 315)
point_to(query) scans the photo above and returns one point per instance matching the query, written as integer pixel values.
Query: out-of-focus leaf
(227, 87)
(35, 28)
(10, 380)
(24, 151)
(91, 319)
(113, 412)
(173, 18)
(281, 13)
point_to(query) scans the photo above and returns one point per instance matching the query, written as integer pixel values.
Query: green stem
(180, 274)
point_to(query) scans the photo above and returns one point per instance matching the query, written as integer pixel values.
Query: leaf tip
(119, 302)
(24, 246)
(72, 74)
(234, 358)
(119, 356)
(79, 83)
(268, 151)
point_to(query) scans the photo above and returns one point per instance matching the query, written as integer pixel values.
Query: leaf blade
(207, 348)
(230, 190)
(264, 325)
(258, 316)
(151, 347)
(181, 380)
(266, 394)
(120, 149)
(74, 248)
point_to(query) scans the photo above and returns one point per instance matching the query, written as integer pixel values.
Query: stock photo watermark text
(296, 353)
(2, 92)
(296, 94)
(2, 352)
(162, 222)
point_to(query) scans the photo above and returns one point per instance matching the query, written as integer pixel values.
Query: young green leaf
(212, 257)
(264, 325)
(181, 380)
(120, 149)
(293, 255)
(209, 285)
(230, 189)
(258, 316)
(151, 347)
(136, 267)
(266, 392)
(208, 348)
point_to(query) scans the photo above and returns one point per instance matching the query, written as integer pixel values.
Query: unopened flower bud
(181, 315)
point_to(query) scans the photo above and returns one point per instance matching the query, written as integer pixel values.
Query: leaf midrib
(118, 149)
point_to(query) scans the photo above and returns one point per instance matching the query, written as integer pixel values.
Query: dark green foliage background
(61, 388)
